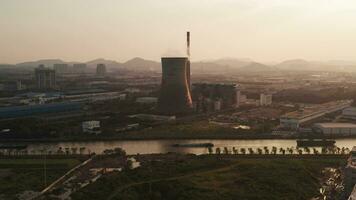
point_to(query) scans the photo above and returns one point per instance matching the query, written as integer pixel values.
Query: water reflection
(164, 146)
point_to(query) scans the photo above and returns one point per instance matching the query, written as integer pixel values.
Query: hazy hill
(108, 63)
(256, 67)
(46, 62)
(296, 64)
(233, 62)
(139, 64)
(303, 65)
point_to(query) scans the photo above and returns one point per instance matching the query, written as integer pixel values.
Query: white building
(349, 112)
(345, 129)
(265, 99)
(91, 127)
(293, 120)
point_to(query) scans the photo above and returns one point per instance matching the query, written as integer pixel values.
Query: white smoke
(173, 53)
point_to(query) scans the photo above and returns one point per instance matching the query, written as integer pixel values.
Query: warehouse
(344, 129)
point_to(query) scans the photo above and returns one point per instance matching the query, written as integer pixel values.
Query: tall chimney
(188, 63)
(188, 44)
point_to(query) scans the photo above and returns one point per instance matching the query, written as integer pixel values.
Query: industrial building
(175, 95)
(101, 70)
(45, 78)
(294, 119)
(349, 113)
(343, 129)
(25, 111)
(214, 97)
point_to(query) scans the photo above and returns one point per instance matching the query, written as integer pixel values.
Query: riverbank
(142, 137)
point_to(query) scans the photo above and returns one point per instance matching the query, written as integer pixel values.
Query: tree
(120, 152)
(81, 150)
(300, 152)
(218, 151)
(74, 150)
(259, 150)
(243, 151)
(290, 150)
(226, 151)
(235, 151)
(250, 151)
(210, 150)
(274, 150)
(307, 150)
(315, 151)
(266, 150)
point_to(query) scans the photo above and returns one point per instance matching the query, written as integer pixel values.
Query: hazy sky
(264, 30)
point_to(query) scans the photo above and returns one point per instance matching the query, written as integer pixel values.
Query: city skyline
(120, 30)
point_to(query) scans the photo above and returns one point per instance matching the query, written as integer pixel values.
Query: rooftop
(336, 125)
(316, 109)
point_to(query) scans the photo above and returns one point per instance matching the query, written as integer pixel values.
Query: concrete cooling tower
(175, 95)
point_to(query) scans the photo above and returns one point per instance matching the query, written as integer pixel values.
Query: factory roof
(336, 125)
(315, 109)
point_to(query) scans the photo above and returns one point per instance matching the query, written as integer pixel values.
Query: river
(164, 146)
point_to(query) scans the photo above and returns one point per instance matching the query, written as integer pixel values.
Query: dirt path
(222, 169)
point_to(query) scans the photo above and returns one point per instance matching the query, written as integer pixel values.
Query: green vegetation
(18, 175)
(214, 177)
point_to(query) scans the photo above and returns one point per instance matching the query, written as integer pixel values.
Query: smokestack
(188, 63)
(188, 44)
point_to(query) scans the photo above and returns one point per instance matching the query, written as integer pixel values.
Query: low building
(344, 129)
(293, 120)
(349, 113)
(91, 127)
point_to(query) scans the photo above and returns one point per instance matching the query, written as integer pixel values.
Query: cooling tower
(175, 95)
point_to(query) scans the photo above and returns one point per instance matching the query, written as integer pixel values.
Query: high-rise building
(79, 68)
(45, 78)
(175, 95)
(265, 99)
(61, 68)
(101, 70)
(205, 94)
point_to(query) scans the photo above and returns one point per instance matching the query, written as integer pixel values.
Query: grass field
(206, 177)
(18, 175)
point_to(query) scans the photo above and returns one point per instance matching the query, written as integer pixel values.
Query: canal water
(164, 146)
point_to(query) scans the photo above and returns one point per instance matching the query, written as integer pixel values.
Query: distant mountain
(208, 67)
(108, 63)
(232, 62)
(296, 64)
(256, 67)
(303, 65)
(46, 62)
(139, 64)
